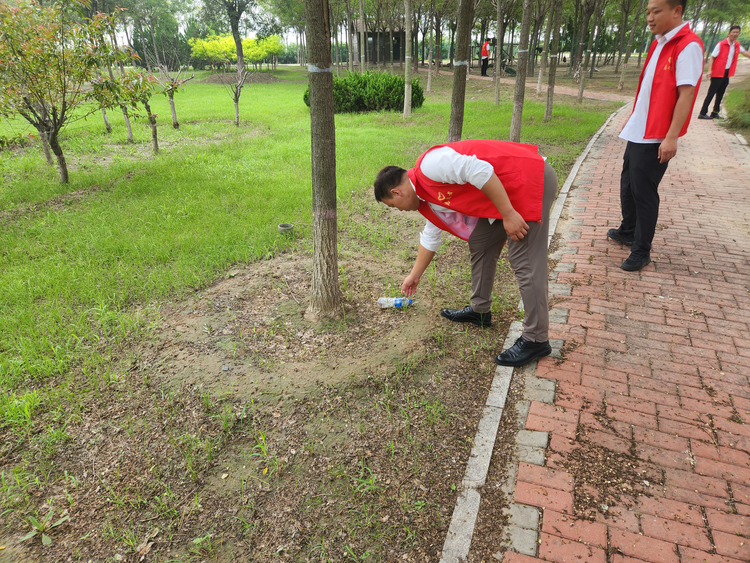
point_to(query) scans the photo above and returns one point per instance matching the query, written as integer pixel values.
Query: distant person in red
(723, 63)
(485, 56)
(666, 94)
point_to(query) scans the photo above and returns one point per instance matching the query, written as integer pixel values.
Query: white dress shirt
(449, 167)
(688, 70)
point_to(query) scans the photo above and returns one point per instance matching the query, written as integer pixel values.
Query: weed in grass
(365, 482)
(265, 455)
(226, 418)
(204, 547)
(42, 526)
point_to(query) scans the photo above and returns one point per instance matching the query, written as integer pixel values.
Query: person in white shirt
(722, 63)
(665, 99)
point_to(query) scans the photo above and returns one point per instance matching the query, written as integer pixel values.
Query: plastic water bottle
(385, 302)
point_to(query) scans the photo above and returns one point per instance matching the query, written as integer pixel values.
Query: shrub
(371, 91)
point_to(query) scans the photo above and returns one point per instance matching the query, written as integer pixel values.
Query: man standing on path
(723, 63)
(665, 98)
(483, 192)
(485, 56)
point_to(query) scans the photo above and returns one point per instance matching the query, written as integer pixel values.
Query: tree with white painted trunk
(325, 292)
(460, 69)
(523, 59)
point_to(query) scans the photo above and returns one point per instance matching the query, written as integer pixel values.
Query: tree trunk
(554, 56)
(629, 48)
(460, 69)
(545, 48)
(125, 116)
(44, 136)
(431, 50)
(107, 126)
(582, 85)
(175, 123)
(62, 166)
(152, 123)
(362, 37)
(498, 70)
(325, 293)
(588, 9)
(523, 59)
(407, 59)
(598, 28)
(349, 41)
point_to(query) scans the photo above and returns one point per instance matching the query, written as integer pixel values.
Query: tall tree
(362, 37)
(407, 59)
(629, 48)
(460, 69)
(523, 59)
(553, 59)
(325, 293)
(430, 56)
(545, 47)
(582, 84)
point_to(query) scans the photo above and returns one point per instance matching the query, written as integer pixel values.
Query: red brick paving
(664, 352)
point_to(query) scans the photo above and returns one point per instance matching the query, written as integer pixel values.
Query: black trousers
(639, 196)
(717, 88)
(485, 62)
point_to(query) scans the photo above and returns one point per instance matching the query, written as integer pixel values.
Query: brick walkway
(655, 370)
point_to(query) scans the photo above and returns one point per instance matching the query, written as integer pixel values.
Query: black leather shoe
(615, 235)
(635, 263)
(467, 315)
(523, 352)
(704, 116)
(715, 115)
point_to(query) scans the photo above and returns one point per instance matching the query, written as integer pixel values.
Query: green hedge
(371, 91)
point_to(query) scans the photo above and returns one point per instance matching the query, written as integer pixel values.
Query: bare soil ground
(237, 431)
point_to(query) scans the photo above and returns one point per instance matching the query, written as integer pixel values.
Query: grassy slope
(149, 228)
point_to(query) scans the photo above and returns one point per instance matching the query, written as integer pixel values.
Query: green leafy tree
(48, 57)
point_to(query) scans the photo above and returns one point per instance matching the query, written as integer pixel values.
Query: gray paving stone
(522, 412)
(578, 210)
(559, 316)
(522, 540)
(534, 456)
(458, 540)
(532, 438)
(577, 221)
(559, 289)
(523, 516)
(499, 389)
(481, 451)
(573, 235)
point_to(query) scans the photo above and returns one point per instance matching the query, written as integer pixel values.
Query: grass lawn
(158, 384)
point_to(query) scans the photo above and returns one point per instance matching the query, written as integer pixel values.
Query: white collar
(670, 34)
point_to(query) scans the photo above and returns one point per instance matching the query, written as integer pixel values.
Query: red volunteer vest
(485, 49)
(518, 166)
(720, 62)
(664, 87)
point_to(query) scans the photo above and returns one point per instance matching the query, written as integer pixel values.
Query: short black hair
(731, 29)
(675, 3)
(387, 179)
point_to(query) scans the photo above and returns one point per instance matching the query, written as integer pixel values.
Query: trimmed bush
(371, 91)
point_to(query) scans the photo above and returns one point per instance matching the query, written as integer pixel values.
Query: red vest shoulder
(664, 86)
